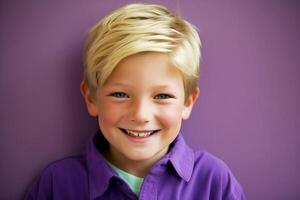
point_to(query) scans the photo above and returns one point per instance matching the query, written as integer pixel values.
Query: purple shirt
(181, 174)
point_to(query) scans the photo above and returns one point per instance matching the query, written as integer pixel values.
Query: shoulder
(69, 165)
(65, 168)
(60, 176)
(209, 163)
(216, 176)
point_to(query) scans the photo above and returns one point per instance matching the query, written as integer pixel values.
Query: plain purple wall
(248, 112)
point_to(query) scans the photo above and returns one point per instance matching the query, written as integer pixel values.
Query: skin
(144, 93)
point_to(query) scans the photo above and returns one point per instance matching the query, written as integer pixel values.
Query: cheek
(109, 113)
(170, 116)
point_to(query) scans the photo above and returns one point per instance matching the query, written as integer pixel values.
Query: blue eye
(162, 96)
(119, 95)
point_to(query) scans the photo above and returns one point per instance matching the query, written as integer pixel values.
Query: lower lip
(137, 139)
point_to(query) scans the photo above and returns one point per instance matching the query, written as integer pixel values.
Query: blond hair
(137, 28)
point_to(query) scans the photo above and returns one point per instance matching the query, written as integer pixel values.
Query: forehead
(143, 67)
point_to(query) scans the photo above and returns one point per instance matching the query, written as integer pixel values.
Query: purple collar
(180, 156)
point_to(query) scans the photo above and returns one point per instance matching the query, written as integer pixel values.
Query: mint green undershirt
(134, 182)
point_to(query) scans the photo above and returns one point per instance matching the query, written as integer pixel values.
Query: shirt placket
(148, 190)
(149, 187)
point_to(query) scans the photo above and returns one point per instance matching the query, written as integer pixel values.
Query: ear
(89, 99)
(190, 101)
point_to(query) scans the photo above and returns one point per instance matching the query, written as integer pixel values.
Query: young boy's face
(140, 107)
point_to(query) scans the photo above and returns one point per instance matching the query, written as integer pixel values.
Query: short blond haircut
(137, 28)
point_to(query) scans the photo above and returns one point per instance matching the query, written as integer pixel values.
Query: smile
(139, 134)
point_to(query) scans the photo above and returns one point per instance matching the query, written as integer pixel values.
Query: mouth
(139, 134)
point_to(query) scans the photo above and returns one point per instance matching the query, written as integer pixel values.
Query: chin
(142, 156)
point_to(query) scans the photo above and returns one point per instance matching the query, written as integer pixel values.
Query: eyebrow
(163, 86)
(121, 84)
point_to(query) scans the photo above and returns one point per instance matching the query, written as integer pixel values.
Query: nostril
(139, 120)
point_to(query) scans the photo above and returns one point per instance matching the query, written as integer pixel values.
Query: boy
(140, 81)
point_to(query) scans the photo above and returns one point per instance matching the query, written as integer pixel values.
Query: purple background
(248, 112)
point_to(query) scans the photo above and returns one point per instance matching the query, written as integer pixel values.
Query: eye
(163, 96)
(119, 95)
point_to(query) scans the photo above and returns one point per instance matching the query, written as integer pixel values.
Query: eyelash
(119, 95)
(124, 95)
(164, 96)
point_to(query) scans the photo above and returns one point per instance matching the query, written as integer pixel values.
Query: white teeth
(142, 134)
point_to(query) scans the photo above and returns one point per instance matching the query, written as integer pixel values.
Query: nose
(140, 112)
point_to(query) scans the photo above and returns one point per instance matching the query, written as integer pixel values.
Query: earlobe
(190, 103)
(89, 100)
